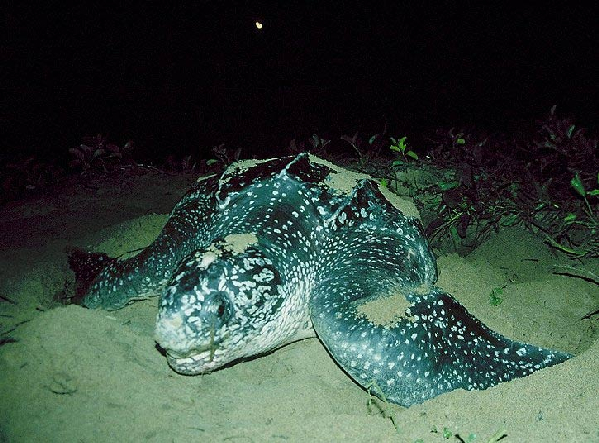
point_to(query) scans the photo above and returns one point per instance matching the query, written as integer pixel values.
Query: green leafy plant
(585, 223)
(180, 164)
(366, 150)
(223, 155)
(495, 298)
(314, 144)
(96, 153)
(579, 187)
(521, 181)
(445, 432)
(400, 146)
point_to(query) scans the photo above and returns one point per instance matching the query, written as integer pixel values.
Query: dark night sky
(180, 78)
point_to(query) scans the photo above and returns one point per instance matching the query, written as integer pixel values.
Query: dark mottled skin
(309, 256)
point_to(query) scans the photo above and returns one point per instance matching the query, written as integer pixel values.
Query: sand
(70, 374)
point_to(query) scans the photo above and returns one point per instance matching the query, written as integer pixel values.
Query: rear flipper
(433, 346)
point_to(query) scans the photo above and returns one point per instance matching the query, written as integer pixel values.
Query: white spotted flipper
(432, 345)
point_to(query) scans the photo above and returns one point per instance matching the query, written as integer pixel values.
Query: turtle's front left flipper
(377, 310)
(429, 346)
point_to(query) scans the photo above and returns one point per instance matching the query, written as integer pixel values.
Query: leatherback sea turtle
(269, 252)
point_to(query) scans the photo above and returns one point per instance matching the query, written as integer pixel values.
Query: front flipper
(87, 266)
(433, 346)
(419, 342)
(109, 283)
(119, 282)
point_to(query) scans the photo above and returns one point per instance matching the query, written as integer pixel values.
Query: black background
(181, 77)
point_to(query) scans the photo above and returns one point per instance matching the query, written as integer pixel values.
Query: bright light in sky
(258, 25)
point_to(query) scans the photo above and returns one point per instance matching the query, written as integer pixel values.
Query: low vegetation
(466, 183)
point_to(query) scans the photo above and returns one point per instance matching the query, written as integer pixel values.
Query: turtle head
(215, 308)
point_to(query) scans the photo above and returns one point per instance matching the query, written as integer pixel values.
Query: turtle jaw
(193, 363)
(188, 354)
(210, 357)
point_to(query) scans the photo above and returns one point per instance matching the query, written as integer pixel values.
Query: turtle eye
(220, 306)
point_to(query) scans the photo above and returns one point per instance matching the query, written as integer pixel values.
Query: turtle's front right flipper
(87, 266)
(109, 283)
(103, 282)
